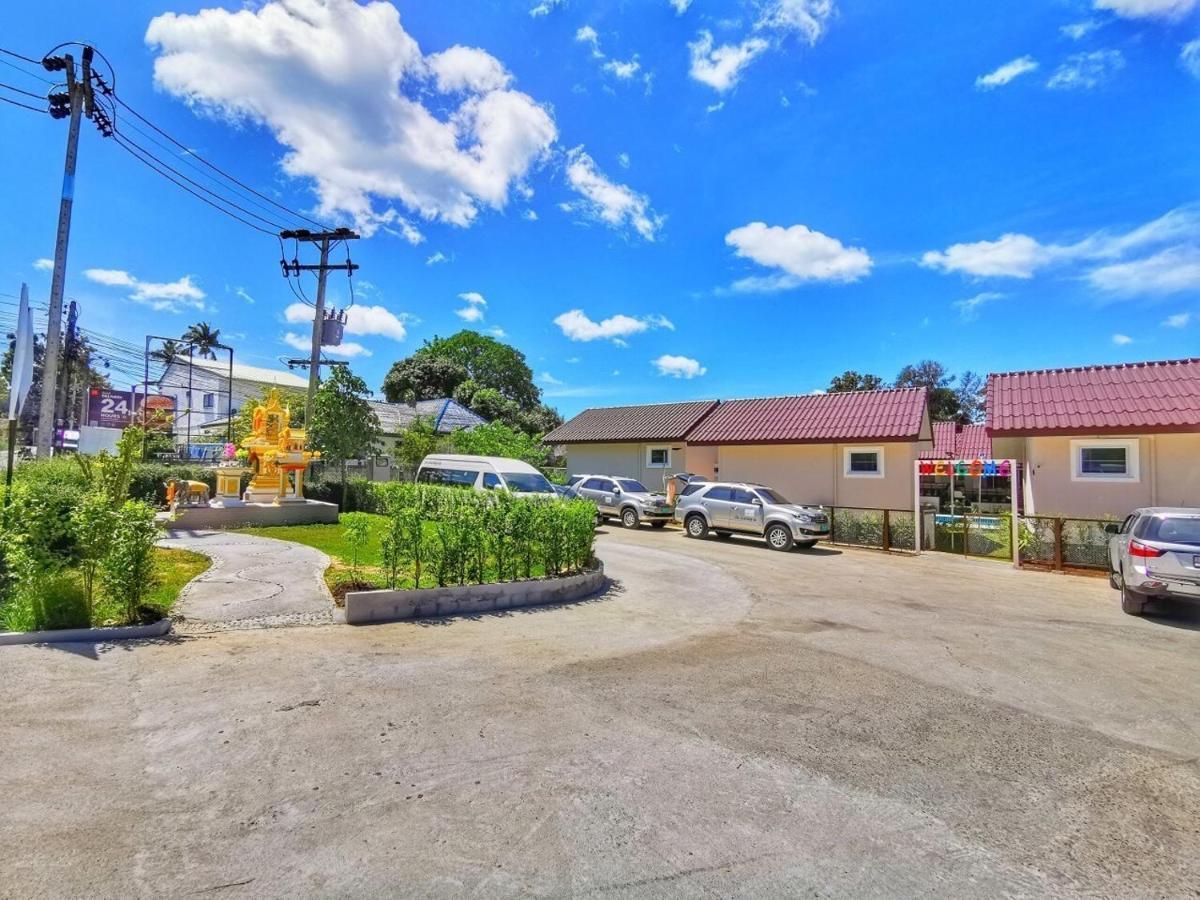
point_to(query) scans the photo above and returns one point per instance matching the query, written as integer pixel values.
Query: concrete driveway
(726, 721)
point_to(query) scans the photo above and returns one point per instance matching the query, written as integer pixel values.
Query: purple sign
(119, 409)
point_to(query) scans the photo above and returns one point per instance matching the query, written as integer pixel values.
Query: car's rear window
(1172, 529)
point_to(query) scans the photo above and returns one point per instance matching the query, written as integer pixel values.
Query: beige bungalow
(854, 449)
(1099, 441)
(643, 442)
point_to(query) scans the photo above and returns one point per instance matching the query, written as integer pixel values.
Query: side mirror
(756, 501)
(616, 489)
(1112, 528)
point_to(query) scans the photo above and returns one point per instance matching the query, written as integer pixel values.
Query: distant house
(952, 440)
(643, 442)
(1098, 441)
(205, 390)
(846, 449)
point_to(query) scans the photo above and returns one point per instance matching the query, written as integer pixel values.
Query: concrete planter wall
(86, 635)
(364, 607)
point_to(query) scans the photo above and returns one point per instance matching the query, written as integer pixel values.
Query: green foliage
(93, 523)
(204, 339)
(110, 476)
(40, 520)
(418, 441)
(423, 376)
(498, 439)
(128, 569)
(853, 381)
(344, 425)
(43, 596)
(357, 534)
(466, 537)
(358, 495)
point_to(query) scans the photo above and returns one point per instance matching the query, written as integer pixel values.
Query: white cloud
(623, 70)
(361, 319)
(474, 310)
(807, 18)
(715, 107)
(800, 254)
(43, 264)
(544, 8)
(1189, 58)
(679, 366)
(529, 215)
(578, 327)
(1179, 320)
(572, 360)
(1006, 73)
(1084, 71)
(968, 309)
(1121, 339)
(436, 258)
(1011, 256)
(680, 6)
(168, 296)
(242, 294)
(547, 378)
(623, 160)
(347, 349)
(1078, 30)
(311, 71)
(1169, 271)
(1172, 242)
(587, 35)
(497, 332)
(1170, 10)
(611, 203)
(721, 67)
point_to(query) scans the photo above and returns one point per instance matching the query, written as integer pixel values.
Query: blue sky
(653, 200)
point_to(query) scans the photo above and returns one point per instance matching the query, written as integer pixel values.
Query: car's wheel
(779, 537)
(696, 526)
(1132, 603)
(661, 523)
(806, 545)
(629, 517)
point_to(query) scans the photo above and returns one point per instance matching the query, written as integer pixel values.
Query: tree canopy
(344, 425)
(957, 398)
(484, 374)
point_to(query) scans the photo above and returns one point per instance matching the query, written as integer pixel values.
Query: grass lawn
(65, 605)
(331, 540)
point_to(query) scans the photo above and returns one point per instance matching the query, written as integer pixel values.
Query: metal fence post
(1058, 545)
(887, 531)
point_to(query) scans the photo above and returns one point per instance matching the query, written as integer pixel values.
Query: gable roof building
(650, 422)
(448, 415)
(1098, 441)
(954, 441)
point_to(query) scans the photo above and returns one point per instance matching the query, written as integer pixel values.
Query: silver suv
(727, 507)
(1155, 553)
(626, 498)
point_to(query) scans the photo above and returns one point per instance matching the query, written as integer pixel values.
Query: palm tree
(204, 338)
(167, 353)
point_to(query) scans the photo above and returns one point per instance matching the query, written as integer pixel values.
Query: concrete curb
(365, 607)
(86, 635)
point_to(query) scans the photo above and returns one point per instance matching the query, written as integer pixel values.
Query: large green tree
(852, 381)
(344, 425)
(480, 372)
(961, 402)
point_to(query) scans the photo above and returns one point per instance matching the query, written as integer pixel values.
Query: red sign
(119, 409)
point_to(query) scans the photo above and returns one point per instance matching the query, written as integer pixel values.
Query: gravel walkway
(254, 582)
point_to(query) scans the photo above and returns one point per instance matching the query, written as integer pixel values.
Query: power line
(15, 55)
(217, 169)
(22, 91)
(23, 105)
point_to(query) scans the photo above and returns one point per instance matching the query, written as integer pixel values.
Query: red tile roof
(1120, 399)
(653, 422)
(894, 415)
(954, 441)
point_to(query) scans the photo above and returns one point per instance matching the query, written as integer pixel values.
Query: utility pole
(325, 240)
(63, 402)
(79, 95)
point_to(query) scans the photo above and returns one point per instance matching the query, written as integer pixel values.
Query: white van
(484, 473)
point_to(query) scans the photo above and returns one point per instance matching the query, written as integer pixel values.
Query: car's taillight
(1137, 549)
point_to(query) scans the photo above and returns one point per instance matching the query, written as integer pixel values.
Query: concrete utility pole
(79, 95)
(325, 240)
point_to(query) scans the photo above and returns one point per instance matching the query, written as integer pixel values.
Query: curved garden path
(253, 582)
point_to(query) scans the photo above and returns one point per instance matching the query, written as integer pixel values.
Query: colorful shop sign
(1001, 468)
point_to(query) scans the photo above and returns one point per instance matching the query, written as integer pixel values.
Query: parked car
(626, 498)
(484, 473)
(1155, 554)
(727, 507)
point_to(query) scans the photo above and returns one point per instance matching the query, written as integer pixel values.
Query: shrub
(148, 481)
(360, 494)
(93, 522)
(128, 568)
(357, 533)
(40, 519)
(110, 475)
(44, 596)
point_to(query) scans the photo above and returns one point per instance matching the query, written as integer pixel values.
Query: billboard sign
(119, 409)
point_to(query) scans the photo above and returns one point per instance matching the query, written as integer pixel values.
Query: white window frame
(1133, 469)
(879, 458)
(650, 464)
